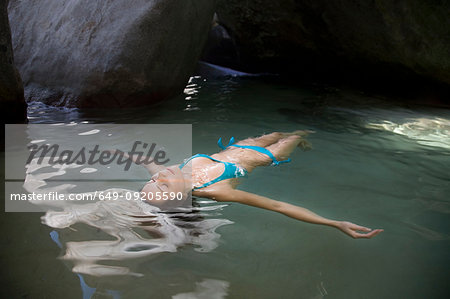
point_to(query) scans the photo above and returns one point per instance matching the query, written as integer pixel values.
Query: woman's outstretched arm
(293, 211)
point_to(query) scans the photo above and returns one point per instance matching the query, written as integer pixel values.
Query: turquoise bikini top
(232, 170)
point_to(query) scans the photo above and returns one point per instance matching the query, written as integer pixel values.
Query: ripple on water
(138, 230)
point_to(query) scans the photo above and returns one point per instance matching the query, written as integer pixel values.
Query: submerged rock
(382, 38)
(81, 53)
(12, 102)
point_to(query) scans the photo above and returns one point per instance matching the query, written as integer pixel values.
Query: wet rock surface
(81, 53)
(382, 40)
(12, 101)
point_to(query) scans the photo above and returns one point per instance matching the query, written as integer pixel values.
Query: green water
(375, 162)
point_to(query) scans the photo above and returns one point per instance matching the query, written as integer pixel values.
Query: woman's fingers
(361, 228)
(368, 235)
(358, 231)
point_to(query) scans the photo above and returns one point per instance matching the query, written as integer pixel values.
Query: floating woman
(216, 177)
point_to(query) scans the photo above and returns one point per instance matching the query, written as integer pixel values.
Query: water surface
(375, 162)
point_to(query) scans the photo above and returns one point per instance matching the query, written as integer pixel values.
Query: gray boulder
(107, 53)
(12, 102)
(386, 37)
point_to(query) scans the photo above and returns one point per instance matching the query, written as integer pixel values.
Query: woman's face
(167, 183)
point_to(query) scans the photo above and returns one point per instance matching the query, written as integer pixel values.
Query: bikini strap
(195, 156)
(255, 148)
(230, 143)
(217, 179)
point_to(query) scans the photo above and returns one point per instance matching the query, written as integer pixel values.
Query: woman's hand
(352, 229)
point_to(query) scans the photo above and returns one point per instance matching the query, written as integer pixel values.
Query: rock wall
(107, 53)
(386, 37)
(12, 102)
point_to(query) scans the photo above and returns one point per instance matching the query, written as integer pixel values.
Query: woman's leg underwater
(283, 146)
(269, 139)
(262, 141)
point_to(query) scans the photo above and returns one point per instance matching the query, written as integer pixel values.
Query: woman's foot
(305, 145)
(301, 133)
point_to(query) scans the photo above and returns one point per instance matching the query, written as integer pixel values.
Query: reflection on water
(191, 94)
(207, 288)
(137, 230)
(433, 131)
(128, 229)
